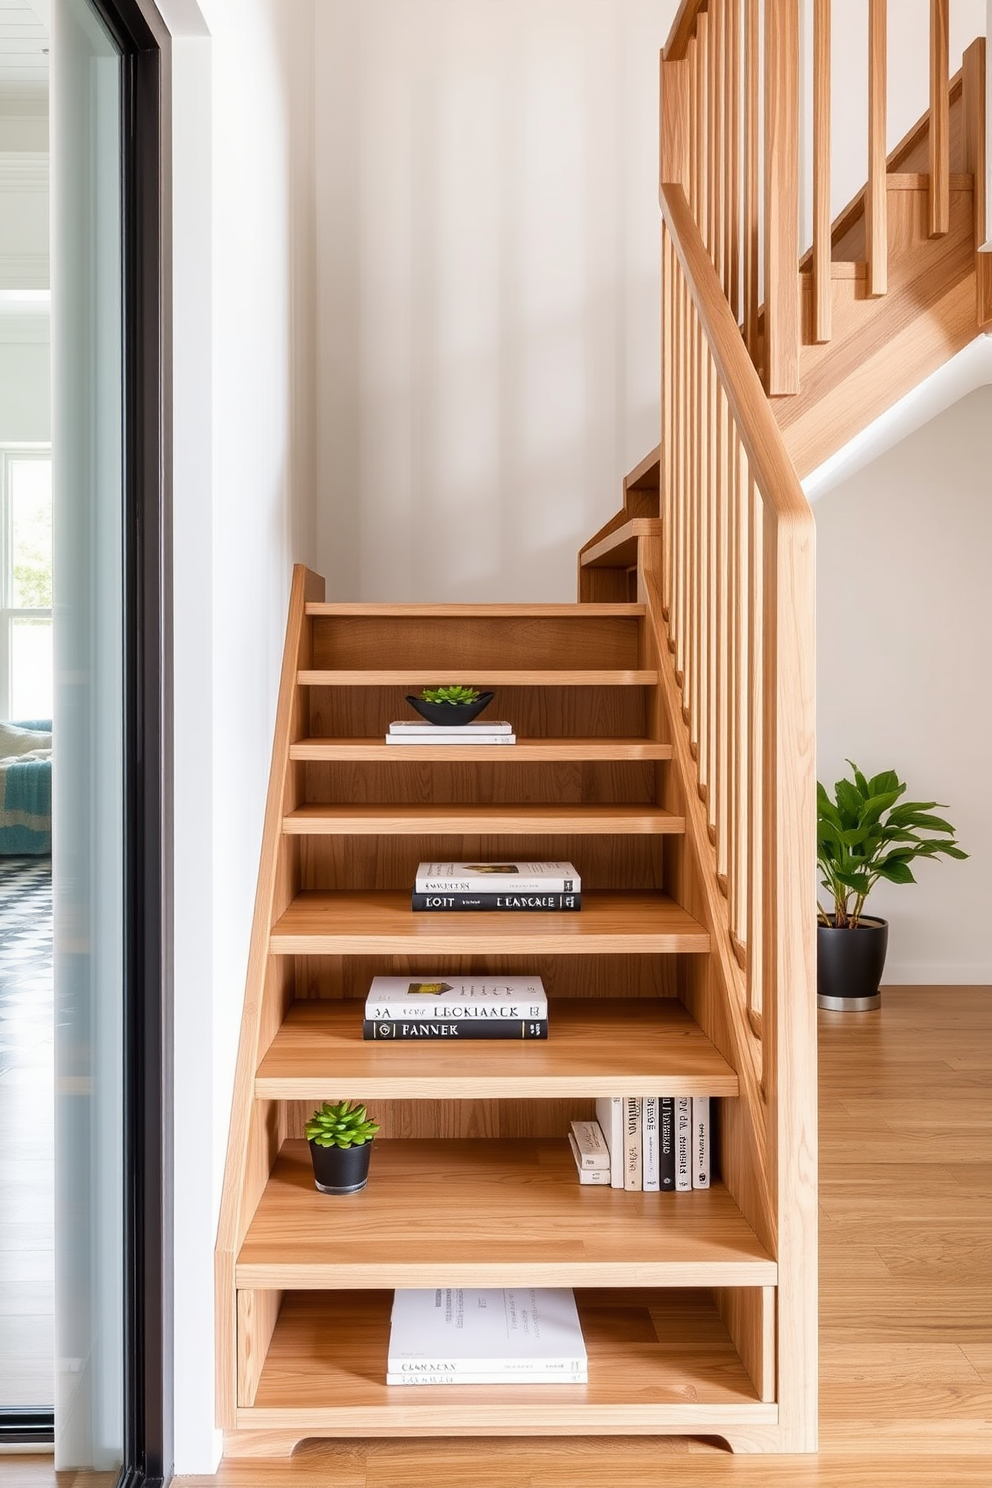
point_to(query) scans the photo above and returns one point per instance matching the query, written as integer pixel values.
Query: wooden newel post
(781, 192)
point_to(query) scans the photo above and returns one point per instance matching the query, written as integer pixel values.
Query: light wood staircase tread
(525, 751)
(356, 923)
(597, 1046)
(620, 545)
(490, 1213)
(416, 677)
(570, 611)
(454, 820)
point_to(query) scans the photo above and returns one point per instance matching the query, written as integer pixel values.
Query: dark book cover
(448, 1030)
(666, 1143)
(502, 902)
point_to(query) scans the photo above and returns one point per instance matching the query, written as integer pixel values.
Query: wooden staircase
(472, 1181)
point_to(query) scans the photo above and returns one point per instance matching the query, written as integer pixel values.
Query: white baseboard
(915, 974)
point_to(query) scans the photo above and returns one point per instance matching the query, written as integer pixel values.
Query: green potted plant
(450, 705)
(862, 836)
(340, 1138)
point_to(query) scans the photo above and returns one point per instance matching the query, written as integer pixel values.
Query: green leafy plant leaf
(341, 1125)
(456, 695)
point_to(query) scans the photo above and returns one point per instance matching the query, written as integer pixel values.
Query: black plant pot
(450, 715)
(849, 965)
(340, 1170)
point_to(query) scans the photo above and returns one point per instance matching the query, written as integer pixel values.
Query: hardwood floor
(906, 1304)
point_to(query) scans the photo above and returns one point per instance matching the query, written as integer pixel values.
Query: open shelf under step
(641, 1046)
(490, 1213)
(469, 820)
(658, 1362)
(355, 923)
(525, 751)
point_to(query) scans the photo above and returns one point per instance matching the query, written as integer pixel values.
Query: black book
(666, 1143)
(501, 902)
(447, 1030)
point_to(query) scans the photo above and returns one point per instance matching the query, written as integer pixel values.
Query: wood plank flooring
(906, 1301)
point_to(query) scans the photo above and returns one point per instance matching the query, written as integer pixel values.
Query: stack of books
(486, 1336)
(417, 731)
(658, 1144)
(497, 886)
(439, 1008)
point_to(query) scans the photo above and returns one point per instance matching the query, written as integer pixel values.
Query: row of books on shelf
(516, 886)
(650, 1143)
(486, 1336)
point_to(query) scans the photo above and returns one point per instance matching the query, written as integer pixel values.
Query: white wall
(243, 496)
(488, 248)
(904, 624)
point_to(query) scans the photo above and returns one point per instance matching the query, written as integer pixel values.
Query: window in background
(25, 582)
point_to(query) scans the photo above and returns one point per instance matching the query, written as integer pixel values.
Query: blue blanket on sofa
(26, 788)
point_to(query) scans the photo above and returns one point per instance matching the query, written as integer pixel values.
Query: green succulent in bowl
(457, 694)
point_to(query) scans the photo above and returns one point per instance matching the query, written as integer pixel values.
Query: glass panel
(31, 534)
(88, 872)
(30, 668)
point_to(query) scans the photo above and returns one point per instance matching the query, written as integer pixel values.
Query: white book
(451, 736)
(486, 1331)
(591, 1144)
(523, 1377)
(683, 1143)
(650, 1149)
(632, 1143)
(609, 1114)
(430, 997)
(596, 1177)
(421, 726)
(700, 1141)
(496, 878)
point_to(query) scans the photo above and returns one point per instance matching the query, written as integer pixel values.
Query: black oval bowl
(450, 715)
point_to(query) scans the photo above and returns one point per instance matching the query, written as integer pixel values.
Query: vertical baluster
(755, 750)
(940, 135)
(876, 196)
(679, 479)
(695, 616)
(751, 178)
(822, 288)
(781, 190)
(668, 432)
(742, 683)
(702, 126)
(720, 646)
(733, 126)
(717, 45)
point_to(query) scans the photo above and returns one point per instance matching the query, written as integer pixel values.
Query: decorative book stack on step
(435, 1008)
(415, 731)
(654, 1144)
(487, 1336)
(497, 886)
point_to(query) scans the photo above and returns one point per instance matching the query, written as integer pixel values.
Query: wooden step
(437, 821)
(413, 680)
(642, 1046)
(525, 751)
(477, 611)
(317, 924)
(618, 549)
(490, 1213)
(659, 1362)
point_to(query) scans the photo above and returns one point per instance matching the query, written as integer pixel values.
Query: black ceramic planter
(340, 1170)
(849, 966)
(449, 715)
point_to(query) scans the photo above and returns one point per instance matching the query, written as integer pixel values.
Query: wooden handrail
(762, 438)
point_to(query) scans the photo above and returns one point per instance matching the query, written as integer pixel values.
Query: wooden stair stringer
(258, 1127)
(714, 989)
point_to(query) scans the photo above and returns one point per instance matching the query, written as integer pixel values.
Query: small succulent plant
(343, 1125)
(457, 694)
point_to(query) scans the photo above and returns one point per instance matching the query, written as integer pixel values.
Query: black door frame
(138, 30)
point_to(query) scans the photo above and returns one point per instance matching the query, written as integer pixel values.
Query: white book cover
(700, 1141)
(683, 1143)
(497, 878)
(609, 1114)
(421, 726)
(451, 736)
(430, 997)
(524, 1377)
(595, 1177)
(484, 1331)
(591, 1144)
(650, 1150)
(632, 1143)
